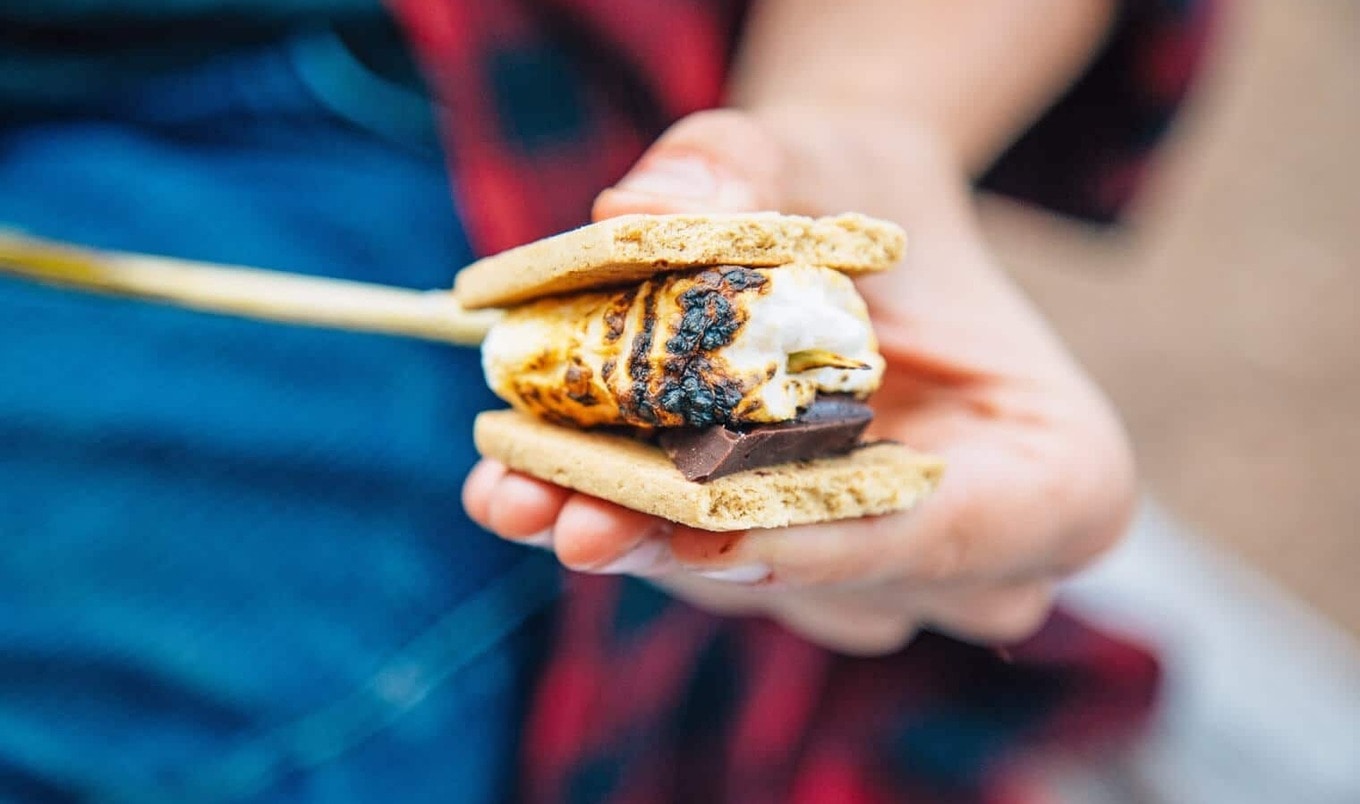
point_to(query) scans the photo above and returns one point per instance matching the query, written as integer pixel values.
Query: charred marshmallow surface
(697, 349)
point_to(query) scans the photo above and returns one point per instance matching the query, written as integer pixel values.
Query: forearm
(974, 74)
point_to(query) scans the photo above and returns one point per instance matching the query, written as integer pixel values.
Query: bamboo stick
(249, 292)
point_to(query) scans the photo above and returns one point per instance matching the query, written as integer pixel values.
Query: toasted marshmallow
(696, 349)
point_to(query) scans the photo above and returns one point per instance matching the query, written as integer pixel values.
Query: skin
(1040, 479)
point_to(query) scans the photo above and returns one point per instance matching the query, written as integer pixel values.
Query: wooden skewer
(249, 292)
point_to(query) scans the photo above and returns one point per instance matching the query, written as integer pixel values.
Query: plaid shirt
(645, 699)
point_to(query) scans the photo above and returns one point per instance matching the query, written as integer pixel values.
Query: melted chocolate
(833, 425)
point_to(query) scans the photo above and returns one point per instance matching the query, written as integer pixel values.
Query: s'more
(712, 370)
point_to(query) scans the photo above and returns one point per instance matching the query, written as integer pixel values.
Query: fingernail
(746, 573)
(675, 176)
(651, 556)
(543, 540)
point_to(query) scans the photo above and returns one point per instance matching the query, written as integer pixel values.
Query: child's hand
(1039, 477)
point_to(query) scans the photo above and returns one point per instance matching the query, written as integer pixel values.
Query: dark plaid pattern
(1089, 155)
(647, 700)
(547, 102)
(644, 699)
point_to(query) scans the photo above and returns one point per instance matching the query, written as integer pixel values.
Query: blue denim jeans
(234, 564)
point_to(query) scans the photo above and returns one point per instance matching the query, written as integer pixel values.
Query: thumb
(714, 161)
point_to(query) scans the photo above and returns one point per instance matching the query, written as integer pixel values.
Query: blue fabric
(234, 562)
(56, 52)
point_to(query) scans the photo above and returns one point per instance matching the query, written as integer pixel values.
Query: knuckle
(1017, 616)
(747, 145)
(1107, 494)
(824, 557)
(834, 569)
(852, 628)
(880, 637)
(730, 121)
(722, 599)
(946, 559)
(946, 549)
(995, 617)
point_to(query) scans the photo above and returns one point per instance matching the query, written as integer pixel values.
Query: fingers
(989, 518)
(1013, 504)
(598, 536)
(587, 534)
(824, 586)
(515, 506)
(858, 625)
(845, 625)
(993, 614)
(974, 560)
(478, 489)
(876, 624)
(522, 506)
(714, 161)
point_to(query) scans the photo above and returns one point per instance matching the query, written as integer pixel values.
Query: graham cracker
(876, 479)
(628, 249)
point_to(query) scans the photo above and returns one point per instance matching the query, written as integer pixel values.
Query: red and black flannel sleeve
(1089, 154)
(543, 103)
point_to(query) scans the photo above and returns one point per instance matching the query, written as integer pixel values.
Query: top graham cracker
(632, 248)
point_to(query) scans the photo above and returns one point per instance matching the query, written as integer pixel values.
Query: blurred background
(1226, 325)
